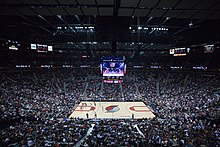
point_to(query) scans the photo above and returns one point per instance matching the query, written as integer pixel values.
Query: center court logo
(112, 108)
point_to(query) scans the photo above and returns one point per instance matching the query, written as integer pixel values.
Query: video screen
(33, 46)
(180, 52)
(41, 48)
(209, 48)
(113, 79)
(13, 45)
(172, 51)
(113, 68)
(50, 48)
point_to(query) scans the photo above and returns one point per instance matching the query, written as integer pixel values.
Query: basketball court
(109, 110)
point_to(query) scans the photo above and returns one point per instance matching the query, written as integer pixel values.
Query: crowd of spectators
(186, 106)
(187, 110)
(113, 133)
(36, 100)
(44, 133)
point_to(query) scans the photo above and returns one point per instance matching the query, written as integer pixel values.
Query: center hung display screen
(113, 68)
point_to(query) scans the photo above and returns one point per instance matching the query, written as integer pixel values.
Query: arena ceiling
(111, 24)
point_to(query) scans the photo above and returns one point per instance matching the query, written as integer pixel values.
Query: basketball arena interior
(98, 73)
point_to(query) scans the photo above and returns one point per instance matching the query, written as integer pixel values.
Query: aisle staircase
(85, 89)
(9, 78)
(87, 134)
(121, 90)
(139, 131)
(137, 90)
(101, 89)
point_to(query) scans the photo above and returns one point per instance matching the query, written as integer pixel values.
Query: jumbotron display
(112, 69)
